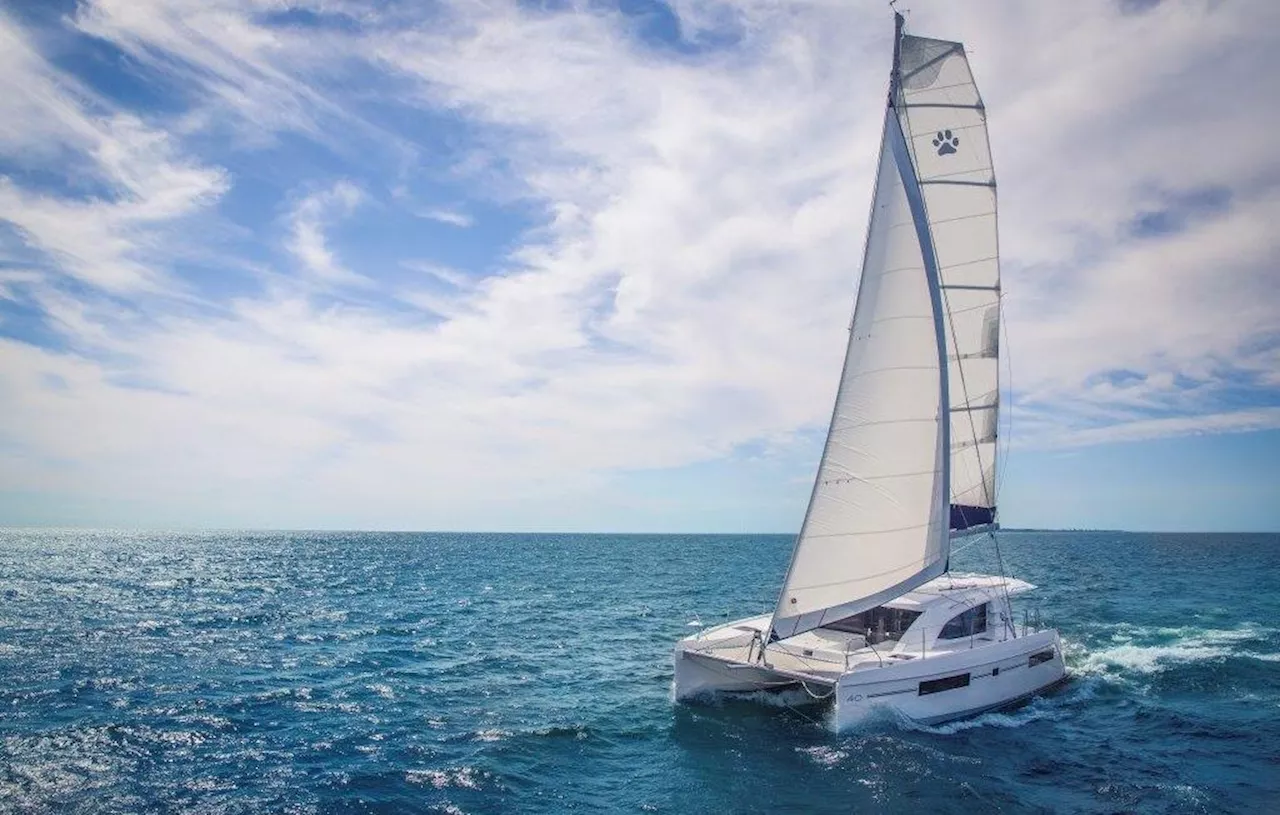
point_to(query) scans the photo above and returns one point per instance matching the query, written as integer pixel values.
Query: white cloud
(447, 216)
(1239, 421)
(111, 242)
(307, 223)
(453, 278)
(136, 179)
(217, 48)
(689, 290)
(12, 279)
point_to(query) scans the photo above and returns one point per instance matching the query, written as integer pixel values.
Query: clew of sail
(910, 452)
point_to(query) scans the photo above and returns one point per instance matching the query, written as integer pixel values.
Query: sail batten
(910, 451)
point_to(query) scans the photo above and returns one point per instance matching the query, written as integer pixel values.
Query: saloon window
(966, 624)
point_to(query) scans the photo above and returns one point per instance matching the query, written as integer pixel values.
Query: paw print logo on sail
(946, 143)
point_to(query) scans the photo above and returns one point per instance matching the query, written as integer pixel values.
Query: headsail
(911, 447)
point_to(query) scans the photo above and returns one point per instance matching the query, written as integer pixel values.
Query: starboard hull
(954, 686)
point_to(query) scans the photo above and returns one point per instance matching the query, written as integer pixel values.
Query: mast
(915, 193)
(919, 211)
(895, 73)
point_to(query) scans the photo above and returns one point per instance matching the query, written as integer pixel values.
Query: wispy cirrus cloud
(1237, 421)
(447, 216)
(123, 179)
(307, 222)
(227, 55)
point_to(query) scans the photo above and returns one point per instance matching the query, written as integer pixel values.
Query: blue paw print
(946, 143)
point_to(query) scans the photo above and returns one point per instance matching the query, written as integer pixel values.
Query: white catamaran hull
(954, 686)
(939, 688)
(705, 675)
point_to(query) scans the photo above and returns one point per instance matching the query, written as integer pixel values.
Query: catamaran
(870, 614)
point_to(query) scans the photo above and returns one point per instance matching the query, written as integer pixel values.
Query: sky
(590, 265)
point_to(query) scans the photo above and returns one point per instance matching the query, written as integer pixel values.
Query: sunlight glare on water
(373, 672)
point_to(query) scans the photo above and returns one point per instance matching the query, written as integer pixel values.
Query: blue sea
(256, 672)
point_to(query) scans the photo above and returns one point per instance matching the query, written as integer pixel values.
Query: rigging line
(800, 712)
(872, 645)
(973, 426)
(977, 539)
(1004, 580)
(1008, 411)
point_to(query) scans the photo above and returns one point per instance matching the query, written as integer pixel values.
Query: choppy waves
(1139, 650)
(249, 672)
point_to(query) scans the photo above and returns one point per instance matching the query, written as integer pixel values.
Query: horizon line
(338, 530)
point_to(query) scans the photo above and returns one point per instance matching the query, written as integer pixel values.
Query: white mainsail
(910, 453)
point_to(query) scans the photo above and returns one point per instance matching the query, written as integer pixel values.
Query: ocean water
(362, 672)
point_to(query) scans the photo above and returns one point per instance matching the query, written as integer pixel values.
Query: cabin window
(946, 683)
(966, 624)
(882, 622)
(1038, 657)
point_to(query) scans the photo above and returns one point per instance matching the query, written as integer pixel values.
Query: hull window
(1039, 657)
(946, 683)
